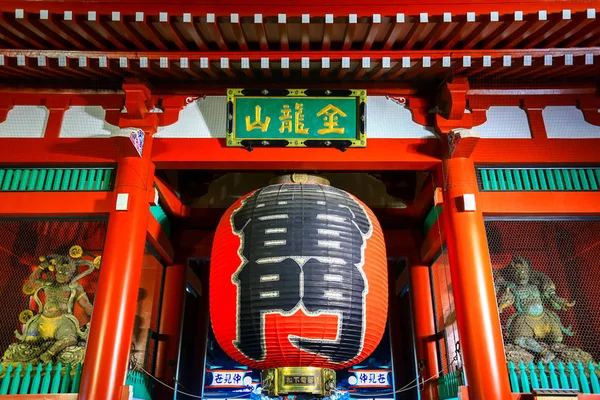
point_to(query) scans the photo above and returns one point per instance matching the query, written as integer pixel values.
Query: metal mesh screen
(445, 314)
(47, 285)
(546, 274)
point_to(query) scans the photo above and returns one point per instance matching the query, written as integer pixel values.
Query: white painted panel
(508, 122)
(86, 122)
(568, 122)
(25, 122)
(204, 118)
(388, 119)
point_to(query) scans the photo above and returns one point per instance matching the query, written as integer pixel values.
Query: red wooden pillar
(472, 282)
(109, 342)
(170, 323)
(424, 326)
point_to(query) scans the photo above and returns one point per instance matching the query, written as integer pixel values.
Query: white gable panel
(388, 119)
(568, 122)
(204, 118)
(86, 122)
(25, 122)
(505, 122)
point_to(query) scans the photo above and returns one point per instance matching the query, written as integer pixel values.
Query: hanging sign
(227, 378)
(369, 378)
(296, 118)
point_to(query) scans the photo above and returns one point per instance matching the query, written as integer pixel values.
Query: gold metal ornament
(299, 178)
(25, 316)
(320, 382)
(97, 262)
(76, 252)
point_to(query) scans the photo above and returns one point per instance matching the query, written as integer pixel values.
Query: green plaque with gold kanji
(296, 118)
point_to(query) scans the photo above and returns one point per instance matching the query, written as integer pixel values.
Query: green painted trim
(56, 179)
(554, 179)
(141, 383)
(430, 219)
(162, 218)
(40, 380)
(578, 377)
(448, 385)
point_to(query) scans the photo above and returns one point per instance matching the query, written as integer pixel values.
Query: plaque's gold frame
(233, 141)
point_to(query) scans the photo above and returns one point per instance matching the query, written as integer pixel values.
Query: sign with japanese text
(227, 378)
(296, 118)
(370, 378)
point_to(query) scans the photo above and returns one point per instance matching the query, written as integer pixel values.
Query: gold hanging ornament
(97, 262)
(76, 252)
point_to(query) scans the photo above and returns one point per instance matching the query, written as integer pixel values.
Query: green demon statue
(534, 326)
(54, 333)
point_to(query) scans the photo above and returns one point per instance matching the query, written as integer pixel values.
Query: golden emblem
(25, 316)
(97, 262)
(76, 251)
(299, 178)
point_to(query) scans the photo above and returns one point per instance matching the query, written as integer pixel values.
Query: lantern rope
(405, 388)
(185, 393)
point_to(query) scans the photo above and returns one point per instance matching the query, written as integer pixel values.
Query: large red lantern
(298, 277)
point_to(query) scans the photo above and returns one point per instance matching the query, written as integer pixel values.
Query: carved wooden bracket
(5, 106)
(138, 105)
(452, 99)
(138, 100)
(461, 142)
(591, 111)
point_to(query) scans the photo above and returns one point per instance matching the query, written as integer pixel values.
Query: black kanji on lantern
(302, 246)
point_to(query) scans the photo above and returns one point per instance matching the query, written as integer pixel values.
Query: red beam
(19, 204)
(356, 55)
(58, 151)
(540, 203)
(533, 151)
(170, 200)
(159, 241)
(313, 7)
(379, 154)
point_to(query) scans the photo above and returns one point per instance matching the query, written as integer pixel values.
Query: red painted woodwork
(170, 324)
(473, 287)
(173, 73)
(424, 325)
(46, 204)
(159, 240)
(379, 154)
(540, 203)
(107, 353)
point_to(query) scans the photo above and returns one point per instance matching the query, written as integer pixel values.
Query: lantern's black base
(318, 382)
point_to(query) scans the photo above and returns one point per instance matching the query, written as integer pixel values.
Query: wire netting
(546, 275)
(22, 243)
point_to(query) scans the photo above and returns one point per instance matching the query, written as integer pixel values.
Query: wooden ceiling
(240, 43)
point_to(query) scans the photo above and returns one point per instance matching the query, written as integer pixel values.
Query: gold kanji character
(286, 119)
(331, 115)
(299, 120)
(257, 124)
